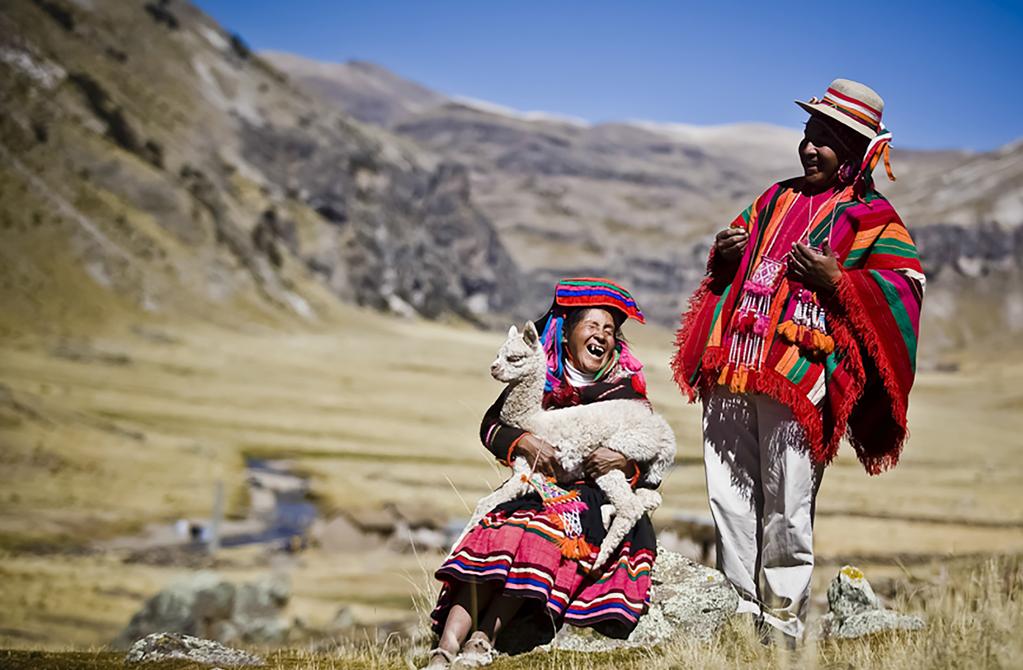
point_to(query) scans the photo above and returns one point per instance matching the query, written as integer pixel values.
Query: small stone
(850, 593)
(176, 646)
(868, 623)
(855, 610)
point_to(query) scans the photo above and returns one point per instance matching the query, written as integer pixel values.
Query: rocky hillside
(150, 161)
(368, 92)
(639, 200)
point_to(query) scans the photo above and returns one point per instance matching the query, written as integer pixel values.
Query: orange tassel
(575, 547)
(884, 152)
(887, 164)
(723, 377)
(818, 340)
(828, 345)
(739, 377)
(788, 330)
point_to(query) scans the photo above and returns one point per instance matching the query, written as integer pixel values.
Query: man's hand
(539, 455)
(603, 461)
(730, 244)
(817, 271)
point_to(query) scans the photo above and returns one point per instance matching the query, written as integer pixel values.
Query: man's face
(819, 153)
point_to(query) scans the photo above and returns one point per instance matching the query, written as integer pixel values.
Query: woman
(515, 567)
(804, 331)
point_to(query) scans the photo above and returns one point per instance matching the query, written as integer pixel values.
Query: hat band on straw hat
(855, 109)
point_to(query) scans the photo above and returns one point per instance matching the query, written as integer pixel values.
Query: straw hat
(852, 104)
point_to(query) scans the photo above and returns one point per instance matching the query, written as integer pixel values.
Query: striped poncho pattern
(861, 388)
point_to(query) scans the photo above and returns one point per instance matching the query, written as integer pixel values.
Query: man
(804, 330)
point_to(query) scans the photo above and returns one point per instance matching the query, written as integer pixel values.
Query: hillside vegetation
(201, 263)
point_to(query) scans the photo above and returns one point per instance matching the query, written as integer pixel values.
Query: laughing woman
(514, 572)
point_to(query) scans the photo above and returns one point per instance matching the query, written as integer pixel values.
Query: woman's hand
(730, 244)
(539, 454)
(819, 272)
(603, 461)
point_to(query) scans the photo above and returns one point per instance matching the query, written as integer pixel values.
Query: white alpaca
(629, 427)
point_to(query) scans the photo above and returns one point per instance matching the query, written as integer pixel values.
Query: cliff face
(151, 161)
(974, 296)
(640, 201)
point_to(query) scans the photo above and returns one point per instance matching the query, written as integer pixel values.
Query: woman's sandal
(438, 659)
(476, 652)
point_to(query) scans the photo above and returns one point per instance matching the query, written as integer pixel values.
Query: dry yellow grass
(973, 611)
(133, 424)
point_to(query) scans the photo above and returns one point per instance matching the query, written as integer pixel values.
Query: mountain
(152, 164)
(365, 91)
(639, 200)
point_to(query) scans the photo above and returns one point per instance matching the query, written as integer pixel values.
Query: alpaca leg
(650, 499)
(628, 510)
(513, 487)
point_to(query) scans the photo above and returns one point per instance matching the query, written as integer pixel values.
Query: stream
(279, 516)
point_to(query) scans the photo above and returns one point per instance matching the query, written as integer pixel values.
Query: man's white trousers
(762, 487)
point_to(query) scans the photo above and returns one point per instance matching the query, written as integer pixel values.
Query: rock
(340, 535)
(411, 540)
(343, 622)
(214, 602)
(208, 606)
(169, 610)
(855, 610)
(257, 607)
(176, 646)
(688, 599)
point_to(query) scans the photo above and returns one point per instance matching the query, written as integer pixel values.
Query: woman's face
(819, 153)
(592, 340)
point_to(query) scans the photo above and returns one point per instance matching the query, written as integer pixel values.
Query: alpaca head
(520, 356)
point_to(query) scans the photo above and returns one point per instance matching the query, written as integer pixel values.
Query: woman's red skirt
(517, 546)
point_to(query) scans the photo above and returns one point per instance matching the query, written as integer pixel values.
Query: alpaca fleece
(629, 427)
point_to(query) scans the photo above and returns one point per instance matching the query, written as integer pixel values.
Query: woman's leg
(478, 650)
(502, 609)
(469, 600)
(731, 457)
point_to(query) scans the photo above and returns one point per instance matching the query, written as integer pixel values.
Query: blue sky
(950, 72)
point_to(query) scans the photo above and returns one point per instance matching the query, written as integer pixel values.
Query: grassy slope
(101, 434)
(973, 612)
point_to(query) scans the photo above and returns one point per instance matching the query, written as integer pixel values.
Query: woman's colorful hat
(596, 292)
(852, 104)
(587, 292)
(859, 107)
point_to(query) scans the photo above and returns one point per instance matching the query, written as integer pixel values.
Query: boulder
(208, 606)
(160, 647)
(688, 599)
(257, 608)
(855, 610)
(339, 535)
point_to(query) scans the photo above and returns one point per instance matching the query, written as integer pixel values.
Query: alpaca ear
(513, 331)
(530, 335)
